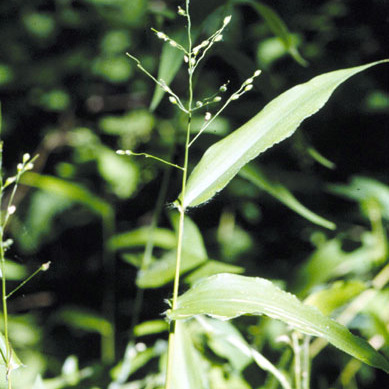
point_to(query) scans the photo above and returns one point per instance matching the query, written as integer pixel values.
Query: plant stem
(108, 305)
(306, 365)
(181, 209)
(297, 359)
(7, 356)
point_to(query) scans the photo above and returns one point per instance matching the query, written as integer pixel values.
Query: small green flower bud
(45, 266)
(249, 81)
(19, 167)
(257, 73)
(11, 210)
(248, 87)
(161, 35)
(26, 157)
(199, 104)
(226, 20)
(216, 99)
(173, 100)
(223, 88)
(218, 38)
(235, 96)
(180, 11)
(207, 116)
(173, 43)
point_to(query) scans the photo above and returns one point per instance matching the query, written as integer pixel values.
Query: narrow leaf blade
(281, 193)
(277, 121)
(226, 296)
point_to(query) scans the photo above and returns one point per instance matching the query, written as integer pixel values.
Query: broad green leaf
(189, 368)
(162, 271)
(277, 27)
(192, 241)
(277, 121)
(226, 296)
(162, 237)
(281, 193)
(340, 293)
(69, 190)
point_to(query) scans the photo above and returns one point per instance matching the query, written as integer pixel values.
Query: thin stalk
(181, 209)
(43, 267)
(297, 359)
(7, 356)
(306, 363)
(108, 305)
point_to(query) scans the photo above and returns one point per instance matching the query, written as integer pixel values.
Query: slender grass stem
(297, 359)
(43, 267)
(181, 209)
(306, 365)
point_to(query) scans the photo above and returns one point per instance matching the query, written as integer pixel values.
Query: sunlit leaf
(340, 293)
(277, 121)
(226, 296)
(281, 193)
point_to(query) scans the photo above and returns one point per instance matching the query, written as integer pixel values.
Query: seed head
(226, 20)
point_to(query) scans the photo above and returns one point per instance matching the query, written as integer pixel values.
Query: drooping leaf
(210, 268)
(162, 237)
(277, 27)
(69, 190)
(363, 188)
(151, 327)
(277, 121)
(84, 320)
(281, 193)
(226, 296)
(162, 271)
(340, 293)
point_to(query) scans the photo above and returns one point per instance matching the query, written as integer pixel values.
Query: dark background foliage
(69, 93)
